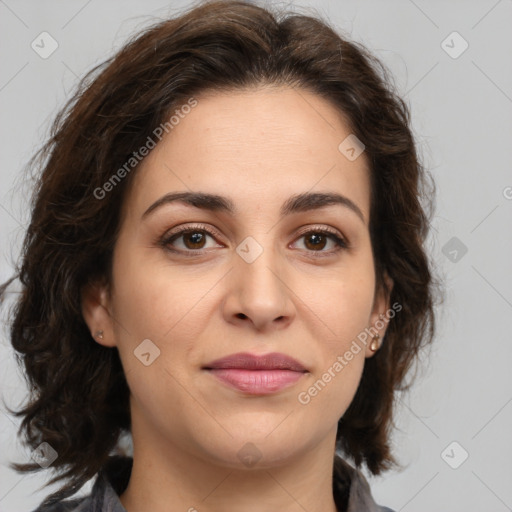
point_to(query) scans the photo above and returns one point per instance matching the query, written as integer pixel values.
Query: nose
(258, 293)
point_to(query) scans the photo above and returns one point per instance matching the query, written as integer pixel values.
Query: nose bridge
(259, 291)
(258, 266)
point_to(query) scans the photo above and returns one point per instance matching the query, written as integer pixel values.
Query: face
(262, 270)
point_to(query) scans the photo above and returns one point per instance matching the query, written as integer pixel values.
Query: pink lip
(257, 374)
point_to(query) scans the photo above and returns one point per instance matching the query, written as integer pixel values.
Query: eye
(316, 239)
(193, 238)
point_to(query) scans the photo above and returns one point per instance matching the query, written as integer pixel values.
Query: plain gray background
(461, 105)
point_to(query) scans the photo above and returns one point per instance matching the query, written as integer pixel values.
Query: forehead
(257, 146)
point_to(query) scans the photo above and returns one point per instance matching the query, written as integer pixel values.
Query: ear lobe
(96, 312)
(379, 319)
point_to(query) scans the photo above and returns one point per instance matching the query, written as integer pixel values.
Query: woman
(225, 261)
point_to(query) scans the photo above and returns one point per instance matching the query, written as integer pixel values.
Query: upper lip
(246, 361)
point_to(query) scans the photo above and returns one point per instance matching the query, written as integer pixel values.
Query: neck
(160, 477)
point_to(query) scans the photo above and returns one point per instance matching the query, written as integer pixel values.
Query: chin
(252, 449)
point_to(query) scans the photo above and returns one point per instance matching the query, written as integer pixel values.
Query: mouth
(257, 375)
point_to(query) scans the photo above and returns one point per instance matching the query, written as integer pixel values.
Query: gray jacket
(350, 488)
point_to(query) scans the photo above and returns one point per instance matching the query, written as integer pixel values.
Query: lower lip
(260, 382)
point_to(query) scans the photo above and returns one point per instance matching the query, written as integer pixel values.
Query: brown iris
(196, 239)
(317, 237)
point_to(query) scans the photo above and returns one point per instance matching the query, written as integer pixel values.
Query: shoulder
(76, 505)
(111, 481)
(358, 494)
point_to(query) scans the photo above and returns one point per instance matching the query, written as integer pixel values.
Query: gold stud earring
(374, 346)
(99, 335)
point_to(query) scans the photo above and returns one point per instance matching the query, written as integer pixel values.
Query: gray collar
(350, 488)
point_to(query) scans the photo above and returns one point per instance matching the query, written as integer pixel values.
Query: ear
(379, 319)
(96, 310)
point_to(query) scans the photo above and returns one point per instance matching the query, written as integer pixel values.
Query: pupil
(318, 238)
(195, 238)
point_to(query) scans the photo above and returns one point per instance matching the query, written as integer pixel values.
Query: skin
(258, 147)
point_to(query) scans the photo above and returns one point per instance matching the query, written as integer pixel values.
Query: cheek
(162, 304)
(340, 303)
(341, 315)
(158, 301)
(339, 309)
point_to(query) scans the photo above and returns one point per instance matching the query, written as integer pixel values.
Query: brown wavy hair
(79, 398)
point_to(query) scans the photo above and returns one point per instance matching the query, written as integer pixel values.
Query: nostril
(241, 315)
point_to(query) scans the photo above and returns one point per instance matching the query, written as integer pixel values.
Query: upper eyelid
(204, 227)
(193, 227)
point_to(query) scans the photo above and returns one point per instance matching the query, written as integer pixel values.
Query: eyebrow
(297, 203)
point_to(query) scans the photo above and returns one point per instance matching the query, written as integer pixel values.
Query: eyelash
(170, 237)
